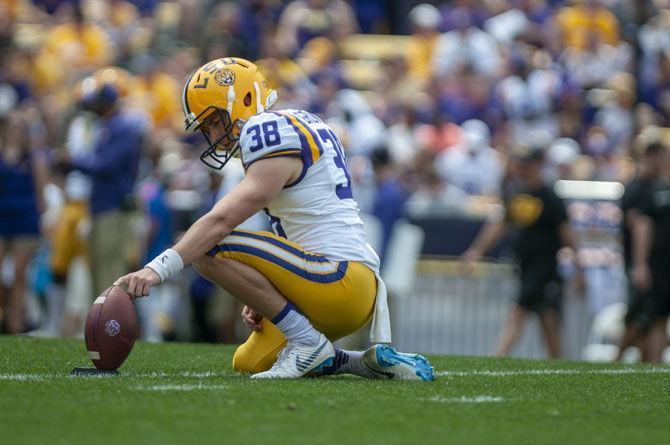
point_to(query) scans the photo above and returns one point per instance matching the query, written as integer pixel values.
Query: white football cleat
(298, 360)
(386, 362)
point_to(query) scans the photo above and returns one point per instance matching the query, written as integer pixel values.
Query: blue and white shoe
(299, 360)
(386, 362)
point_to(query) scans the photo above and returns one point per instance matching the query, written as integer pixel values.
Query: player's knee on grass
(248, 362)
(260, 350)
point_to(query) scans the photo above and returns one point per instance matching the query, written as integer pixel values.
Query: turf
(187, 394)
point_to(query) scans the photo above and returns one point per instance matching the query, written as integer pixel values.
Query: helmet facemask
(221, 150)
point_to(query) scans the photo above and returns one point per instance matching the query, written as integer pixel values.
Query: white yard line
(551, 372)
(25, 377)
(183, 387)
(473, 399)
(36, 377)
(201, 374)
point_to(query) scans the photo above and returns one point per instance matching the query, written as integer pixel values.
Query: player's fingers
(251, 323)
(132, 284)
(145, 290)
(121, 281)
(247, 320)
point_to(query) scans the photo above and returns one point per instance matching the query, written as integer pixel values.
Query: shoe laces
(280, 357)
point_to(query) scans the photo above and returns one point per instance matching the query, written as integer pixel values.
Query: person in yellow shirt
(426, 20)
(78, 44)
(579, 23)
(156, 92)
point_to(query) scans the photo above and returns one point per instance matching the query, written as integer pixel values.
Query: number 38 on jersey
(300, 134)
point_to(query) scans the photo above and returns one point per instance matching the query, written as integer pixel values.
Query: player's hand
(251, 318)
(139, 283)
(641, 277)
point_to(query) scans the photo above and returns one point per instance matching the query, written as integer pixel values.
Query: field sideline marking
(544, 372)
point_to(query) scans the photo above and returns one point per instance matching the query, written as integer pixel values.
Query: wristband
(166, 264)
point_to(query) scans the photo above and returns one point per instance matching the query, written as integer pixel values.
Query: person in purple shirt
(389, 203)
(112, 167)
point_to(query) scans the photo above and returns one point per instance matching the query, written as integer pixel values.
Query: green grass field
(187, 394)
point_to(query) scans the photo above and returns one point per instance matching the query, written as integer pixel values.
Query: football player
(315, 279)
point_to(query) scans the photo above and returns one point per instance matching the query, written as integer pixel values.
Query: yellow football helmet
(231, 89)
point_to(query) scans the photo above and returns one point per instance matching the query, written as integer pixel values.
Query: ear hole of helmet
(247, 99)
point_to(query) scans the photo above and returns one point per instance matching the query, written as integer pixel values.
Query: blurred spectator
(400, 139)
(68, 240)
(640, 303)
(78, 44)
(307, 82)
(562, 155)
(303, 20)
(528, 94)
(541, 220)
(587, 20)
(651, 260)
(226, 27)
(466, 45)
(655, 87)
(365, 130)
(389, 203)
(156, 91)
(156, 313)
(425, 20)
(598, 62)
(436, 198)
(23, 174)
(472, 165)
(112, 166)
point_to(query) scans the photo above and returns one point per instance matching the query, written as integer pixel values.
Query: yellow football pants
(66, 243)
(337, 297)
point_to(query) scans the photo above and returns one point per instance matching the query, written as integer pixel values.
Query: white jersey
(317, 210)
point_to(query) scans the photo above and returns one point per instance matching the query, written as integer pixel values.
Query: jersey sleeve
(268, 135)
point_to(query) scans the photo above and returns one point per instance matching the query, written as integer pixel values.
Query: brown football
(111, 329)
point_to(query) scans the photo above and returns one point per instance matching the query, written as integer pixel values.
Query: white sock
(55, 305)
(295, 326)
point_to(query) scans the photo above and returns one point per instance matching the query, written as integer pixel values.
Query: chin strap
(231, 99)
(259, 105)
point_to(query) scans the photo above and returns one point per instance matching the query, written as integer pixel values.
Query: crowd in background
(429, 122)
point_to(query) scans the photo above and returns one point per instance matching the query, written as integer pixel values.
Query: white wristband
(166, 264)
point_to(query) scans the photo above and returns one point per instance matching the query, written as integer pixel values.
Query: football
(111, 329)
